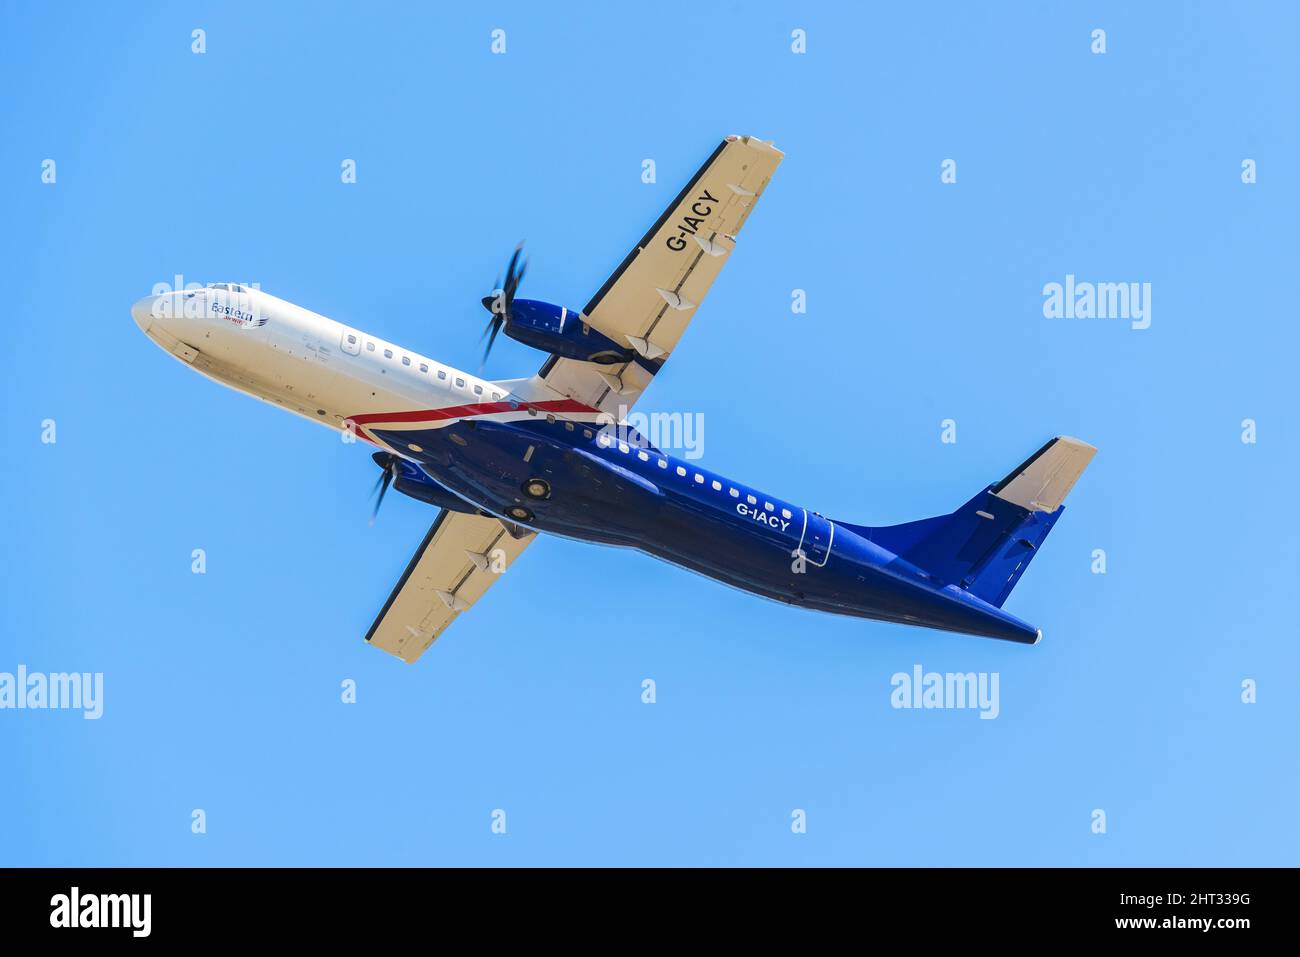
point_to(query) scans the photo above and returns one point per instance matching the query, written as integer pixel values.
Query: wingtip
(1077, 443)
(755, 143)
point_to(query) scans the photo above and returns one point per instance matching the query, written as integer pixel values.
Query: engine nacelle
(414, 481)
(562, 331)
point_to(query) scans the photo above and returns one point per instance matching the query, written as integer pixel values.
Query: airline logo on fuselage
(246, 318)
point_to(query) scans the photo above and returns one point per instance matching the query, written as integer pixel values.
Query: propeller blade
(512, 281)
(501, 300)
(385, 480)
(519, 278)
(495, 326)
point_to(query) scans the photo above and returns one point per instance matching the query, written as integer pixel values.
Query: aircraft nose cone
(142, 312)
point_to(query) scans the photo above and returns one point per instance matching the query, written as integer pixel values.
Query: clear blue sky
(924, 303)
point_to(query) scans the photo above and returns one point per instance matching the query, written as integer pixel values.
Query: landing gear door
(350, 342)
(817, 539)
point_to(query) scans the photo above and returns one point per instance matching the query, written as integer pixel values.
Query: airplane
(507, 460)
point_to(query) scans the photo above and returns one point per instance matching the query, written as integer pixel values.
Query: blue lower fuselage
(608, 486)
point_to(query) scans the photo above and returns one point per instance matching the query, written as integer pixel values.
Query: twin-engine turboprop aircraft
(507, 460)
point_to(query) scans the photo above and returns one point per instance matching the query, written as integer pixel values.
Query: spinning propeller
(388, 462)
(501, 302)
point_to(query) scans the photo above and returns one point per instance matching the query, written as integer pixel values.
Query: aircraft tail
(986, 545)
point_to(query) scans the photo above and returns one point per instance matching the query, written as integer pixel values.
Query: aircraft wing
(459, 559)
(649, 300)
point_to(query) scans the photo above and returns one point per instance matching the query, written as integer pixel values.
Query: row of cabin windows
(568, 426)
(424, 367)
(681, 471)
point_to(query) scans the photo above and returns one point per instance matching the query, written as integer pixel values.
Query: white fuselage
(311, 365)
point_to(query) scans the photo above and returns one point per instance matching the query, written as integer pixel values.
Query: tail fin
(985, 546)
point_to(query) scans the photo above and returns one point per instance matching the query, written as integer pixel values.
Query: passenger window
(550, 418)
(478, 390)
(602, 440)
(586, 433)
(643, 457)
(568, 426)
(622, 447)
(406, 360)
(767, 506)
(785, 513)
(751, 500)
(370, 347)
(717, 486)
(699, 479)
(460, 383)
(424, 367)
(680, 470)
(733, 493)
(352, 340)
(663, 463)
(388, 353)
(442, 374)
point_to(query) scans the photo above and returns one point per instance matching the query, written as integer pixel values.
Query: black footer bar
(373, 906)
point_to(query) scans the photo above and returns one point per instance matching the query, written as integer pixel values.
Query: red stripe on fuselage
(464, 412)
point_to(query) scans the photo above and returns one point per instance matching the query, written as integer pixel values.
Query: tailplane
(986, 545)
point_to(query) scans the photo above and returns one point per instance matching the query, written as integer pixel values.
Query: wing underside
(651, 297)
(460, 558)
